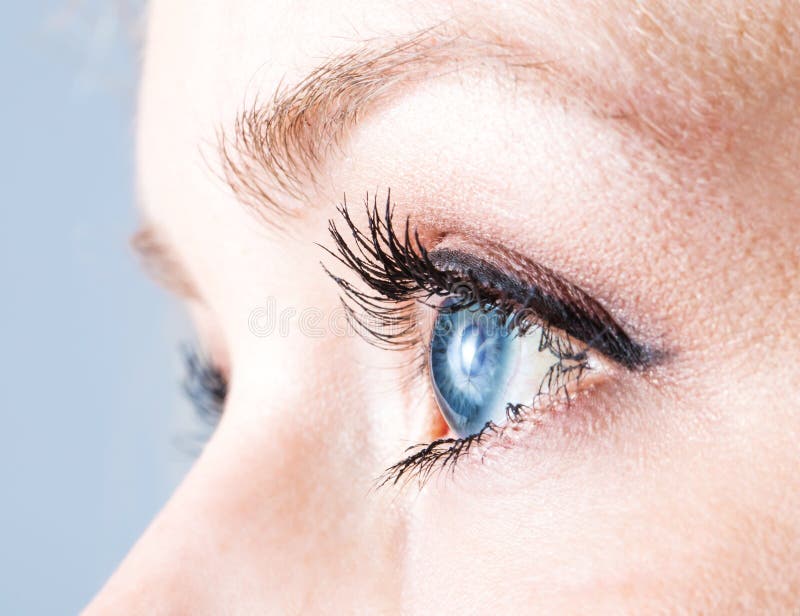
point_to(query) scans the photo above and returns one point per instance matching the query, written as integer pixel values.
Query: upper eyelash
(398, 268)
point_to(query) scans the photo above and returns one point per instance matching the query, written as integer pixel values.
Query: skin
(655, 166)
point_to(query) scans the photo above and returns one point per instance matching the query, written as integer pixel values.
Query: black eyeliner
(561, 305)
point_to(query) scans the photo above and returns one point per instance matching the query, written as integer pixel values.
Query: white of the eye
(527, 374)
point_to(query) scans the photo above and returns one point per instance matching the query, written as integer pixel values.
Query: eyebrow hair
(278, 148)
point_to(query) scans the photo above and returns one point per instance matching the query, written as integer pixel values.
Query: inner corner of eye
(437, 427)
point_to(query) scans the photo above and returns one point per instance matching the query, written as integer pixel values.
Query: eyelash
(204, 385)
(399, 272)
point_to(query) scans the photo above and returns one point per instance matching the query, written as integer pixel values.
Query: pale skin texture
(654, 163)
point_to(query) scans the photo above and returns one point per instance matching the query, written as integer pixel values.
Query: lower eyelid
(542, 426)
(556, 427)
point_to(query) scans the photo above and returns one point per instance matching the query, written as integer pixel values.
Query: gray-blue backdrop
(89, 396)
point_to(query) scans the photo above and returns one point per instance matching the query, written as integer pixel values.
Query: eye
(484, 368)
(472, 357)
(509, 336)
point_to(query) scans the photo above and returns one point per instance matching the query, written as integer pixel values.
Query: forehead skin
(714, 82)
(699, 509)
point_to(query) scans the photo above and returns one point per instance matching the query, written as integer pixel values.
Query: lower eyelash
(441, 454)
(426, 459)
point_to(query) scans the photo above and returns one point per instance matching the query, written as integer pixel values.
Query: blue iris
(470, 366)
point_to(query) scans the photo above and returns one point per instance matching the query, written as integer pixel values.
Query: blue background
(91, 404)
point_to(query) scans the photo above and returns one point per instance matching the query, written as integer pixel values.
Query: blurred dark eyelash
(204, 385)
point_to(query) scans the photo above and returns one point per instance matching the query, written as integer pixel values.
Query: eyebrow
(277, 149)
(161, 263)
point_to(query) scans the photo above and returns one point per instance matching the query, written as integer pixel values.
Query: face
(568, 373)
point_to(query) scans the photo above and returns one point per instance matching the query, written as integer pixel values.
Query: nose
(278, 515)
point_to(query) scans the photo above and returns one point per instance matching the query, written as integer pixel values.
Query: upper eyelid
(398, 267)
(552, 298)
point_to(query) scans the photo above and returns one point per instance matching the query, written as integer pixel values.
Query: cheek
(542, 538)
(553, 544)
(649, 522)
(278, 511)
